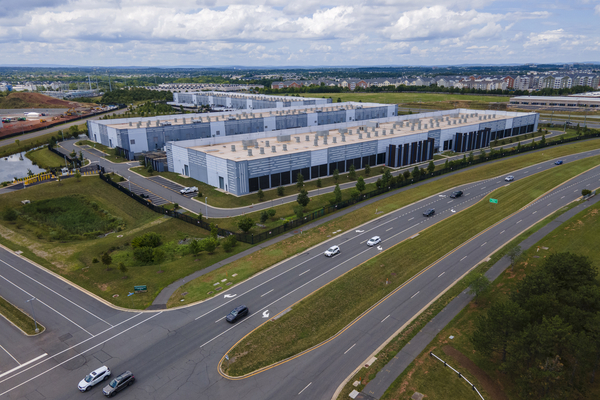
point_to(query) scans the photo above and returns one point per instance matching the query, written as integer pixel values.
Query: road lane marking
(415, 294)
(21, 365)
(304, 388)
(385, 318)
(11, 356)
(351, 347)
(304, 272)
(533, 212)
(483, 244)
(411, 218)
(548, 204)
(262, 295)
(463, 258)
(441, 274)
(519, 221)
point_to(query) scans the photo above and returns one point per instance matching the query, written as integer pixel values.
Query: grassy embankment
(59, 243)
(350, 295)
(577, 235)
(45, 159)
(266, 257)
(19, 318)
(10, 146)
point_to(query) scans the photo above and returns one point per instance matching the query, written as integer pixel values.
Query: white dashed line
(346, 352)
(389, 229)
(415, 294)
(463, 258)
(411, 218)
(519, 221)
(262, 295)
(441, 274)
(483, 244)
(385, 318)
(304, 272)
(304, 388)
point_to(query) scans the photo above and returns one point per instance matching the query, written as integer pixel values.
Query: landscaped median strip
(356, 291)
(198, 289)
(19, 319)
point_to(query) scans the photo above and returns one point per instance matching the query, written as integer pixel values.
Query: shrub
(158, 255)
(245, 224)
(194, 247)
(352, 173)
(150, 239)
(264, 216)
(144, 254)
(367, 169)
(106, 259)
(271, 212)
(586, 192)
(260, 194)
(10, 214)
(122, 267)
(209, 245)
(280, 191)
(299, 211)
(303, 198)
(94, 260)
(229, 243)
(319, 183)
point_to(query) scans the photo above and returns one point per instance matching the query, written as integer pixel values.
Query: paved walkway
(388, 374)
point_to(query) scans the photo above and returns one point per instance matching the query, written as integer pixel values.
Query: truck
(188, 190)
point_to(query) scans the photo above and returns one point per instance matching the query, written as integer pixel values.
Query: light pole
(33, 311)
(129, 181)
(206, 203)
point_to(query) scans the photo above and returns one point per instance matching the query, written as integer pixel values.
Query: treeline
(546, 335)
(127, 96)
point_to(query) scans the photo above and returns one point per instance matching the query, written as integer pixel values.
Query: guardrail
(459, 374)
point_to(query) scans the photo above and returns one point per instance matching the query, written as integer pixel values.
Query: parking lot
(167, 184)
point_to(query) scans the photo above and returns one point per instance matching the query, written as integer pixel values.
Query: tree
(106, 260)
(209, 244)
(303, 198)
(406, 174)
(10, 215)
(280, 191)
(337, 192)
(513, 254)
(199, 216)
(299, 211)
(360, 184)
(431, 167)
(386, 178)
(158, 255)
(480, 285)
(446, 165)
(77, 175)
(80, 156)
(145, 254)
(260, 194)
(229, 243)
(336, 175)
(264, 216)
(175, 206)
(271, 212)
(122, 267)
(416, 174)
(586, 192)
(300, 182)
(194, 247)
(245, 224)
(150, 170)
(543, 140)
(464, 160)
(214, 231)
(150, 239)
(471, 158)
(352, 173)
(354, 194)
(367, 170)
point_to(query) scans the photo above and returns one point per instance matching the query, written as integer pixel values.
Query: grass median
(19, 318)
(45, 159)
(328, 310)
(199, 288)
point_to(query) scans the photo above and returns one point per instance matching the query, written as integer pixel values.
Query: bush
(122, 267)
(194, 247)
(367, 169)
(150, 239)
(260, 194)
(271, 212)
(586, 192)
(299, 211)
(209, 244)
(94, 260)
(144, 254)
(280, 191)
(245, 224)
(10, 215)
(158, 255)
(229, 243)
(264, 216)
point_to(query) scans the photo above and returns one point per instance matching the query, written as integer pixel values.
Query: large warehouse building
(134, 136)
(245, 163)
(585, 100)
(240, 101)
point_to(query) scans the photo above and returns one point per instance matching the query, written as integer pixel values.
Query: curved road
(174, 353)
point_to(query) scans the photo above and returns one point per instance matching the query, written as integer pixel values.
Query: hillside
(34, 100)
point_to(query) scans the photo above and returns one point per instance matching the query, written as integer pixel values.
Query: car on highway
(509, 178)
(559, 162)
(94, 377)
(373, 241)
(332, 251)
(119, 383)
(456, 194)
(188, 190)
(429, 212)
(237, 313)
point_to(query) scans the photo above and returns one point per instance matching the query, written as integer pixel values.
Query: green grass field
(46, 159)
(577, 235)
(74, 259)
(19, 318)
(350, 295)
(265, 257)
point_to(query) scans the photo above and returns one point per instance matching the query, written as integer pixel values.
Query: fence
(459, 374)
(68, 157)
(394, 184)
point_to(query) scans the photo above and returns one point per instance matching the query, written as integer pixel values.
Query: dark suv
(429, 212)
(456, 194)
(237, 313)
(119, 383)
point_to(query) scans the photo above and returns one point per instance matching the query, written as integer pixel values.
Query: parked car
(90, 380)
(429, 212)
(373, 241)
(559, 162)
(509, 178)
(332, 251)
(119, 383)
(188, 190)
(456, 194)
(237, 313)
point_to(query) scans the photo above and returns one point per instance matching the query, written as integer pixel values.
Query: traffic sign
(140, 289)
(495, 201)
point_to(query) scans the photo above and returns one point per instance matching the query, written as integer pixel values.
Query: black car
(456, 194)
(429, 212)
(237, 313)
(119, 383)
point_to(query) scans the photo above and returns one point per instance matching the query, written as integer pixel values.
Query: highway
(174, 353)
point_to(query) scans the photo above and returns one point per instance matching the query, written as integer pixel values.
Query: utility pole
(90, 82)
(33, 311)
(129, 181)
(206, 203)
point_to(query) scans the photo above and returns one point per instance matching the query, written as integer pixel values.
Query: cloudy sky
(299, 32)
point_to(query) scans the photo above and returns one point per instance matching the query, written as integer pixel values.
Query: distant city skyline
(308, 33)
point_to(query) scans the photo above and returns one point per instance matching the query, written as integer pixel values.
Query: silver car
(332, 251)
(90, 380)
(509, 178)
(373, 241)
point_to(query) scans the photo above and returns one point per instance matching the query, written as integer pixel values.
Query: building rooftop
(323, 139)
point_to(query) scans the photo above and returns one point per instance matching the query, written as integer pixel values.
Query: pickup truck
(188, 190)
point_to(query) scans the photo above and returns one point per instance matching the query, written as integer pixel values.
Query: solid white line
(11, 356)
(463, 258)
(58, 294)
(389, 229)
(72, 347)
(262, 295)
(41, 302)
(22, 365)
(385, 318)
(77, 355)
(441, 274)
(304, 272)
(304, 388)
(350, 348)
(415, 294)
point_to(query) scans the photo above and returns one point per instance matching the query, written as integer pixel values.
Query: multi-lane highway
(174, 354)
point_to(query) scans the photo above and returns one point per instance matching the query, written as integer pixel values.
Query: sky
(297, 33)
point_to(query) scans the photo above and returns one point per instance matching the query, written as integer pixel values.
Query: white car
(373, 241)
(332, 251)
(509, 178)
(101, 374)
(188, 190)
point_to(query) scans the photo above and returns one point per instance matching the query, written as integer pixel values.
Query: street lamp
(33, 311)
(206, 202)
(129, 181)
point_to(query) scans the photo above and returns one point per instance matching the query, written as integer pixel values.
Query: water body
(13, 166)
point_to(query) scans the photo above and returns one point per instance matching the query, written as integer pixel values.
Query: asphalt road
(174, 353)
(163, 193)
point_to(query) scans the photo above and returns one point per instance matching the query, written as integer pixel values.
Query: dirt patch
(490, 386)
(34, 100)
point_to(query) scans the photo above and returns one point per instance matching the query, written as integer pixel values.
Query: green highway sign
(495, 201)
(140, 288)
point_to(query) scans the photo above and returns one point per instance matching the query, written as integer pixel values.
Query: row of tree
(127, 96)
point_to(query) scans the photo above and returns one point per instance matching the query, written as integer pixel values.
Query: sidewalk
(388, 374)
